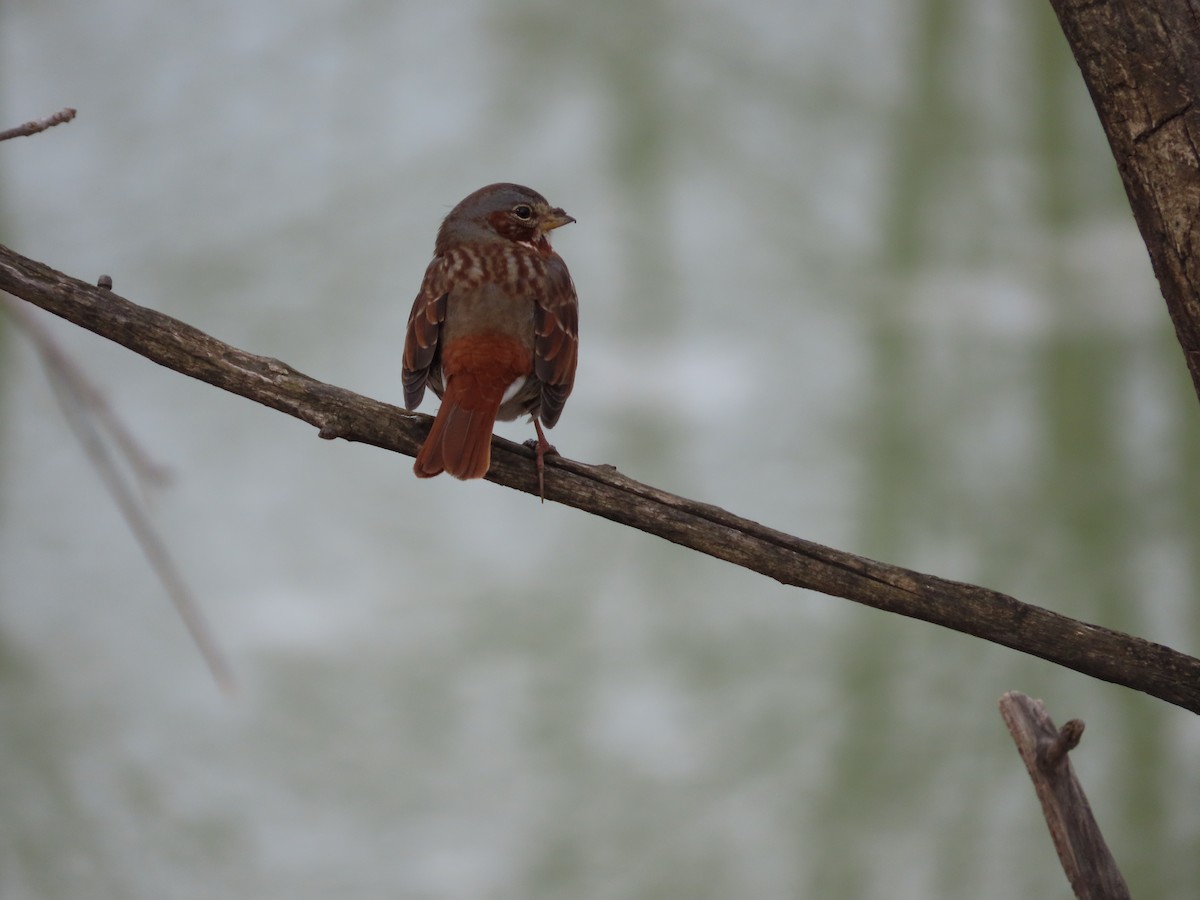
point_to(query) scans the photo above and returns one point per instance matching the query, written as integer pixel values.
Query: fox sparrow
(493, 329)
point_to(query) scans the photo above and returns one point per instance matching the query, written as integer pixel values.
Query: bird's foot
(541, 447)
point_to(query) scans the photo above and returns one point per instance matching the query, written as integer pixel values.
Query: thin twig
(84, 409)
(150, 473)
(38, 125)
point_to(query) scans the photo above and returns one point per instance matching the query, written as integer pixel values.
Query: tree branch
(1141, 63)
(1084, 855)
(601, 490)
(38, 125)
(90, 418)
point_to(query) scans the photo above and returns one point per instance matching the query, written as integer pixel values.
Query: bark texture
(1141, 63)
(1081, 848)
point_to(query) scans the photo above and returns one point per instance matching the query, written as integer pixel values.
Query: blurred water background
(861, 271)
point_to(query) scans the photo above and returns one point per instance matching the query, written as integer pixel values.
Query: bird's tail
(478, 371)
(460, 441)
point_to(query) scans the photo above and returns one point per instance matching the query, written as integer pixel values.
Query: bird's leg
(541, 448)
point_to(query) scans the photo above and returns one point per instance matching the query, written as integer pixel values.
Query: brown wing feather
(424, 330)
(556, 340)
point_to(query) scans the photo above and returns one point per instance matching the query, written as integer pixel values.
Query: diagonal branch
(1081, 848)
(601, 490)
(89, 417)
(37, 126)
(1141, 63)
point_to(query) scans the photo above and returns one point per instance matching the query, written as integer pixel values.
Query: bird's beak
(556, 218)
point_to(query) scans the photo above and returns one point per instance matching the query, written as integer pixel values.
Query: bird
(493, 329)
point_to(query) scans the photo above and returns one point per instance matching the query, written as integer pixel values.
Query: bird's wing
(424, 329)
(556, 339)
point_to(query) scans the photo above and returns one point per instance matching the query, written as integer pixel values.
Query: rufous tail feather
(478, 370)
(460, 442)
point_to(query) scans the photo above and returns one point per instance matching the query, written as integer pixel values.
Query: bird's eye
(523, 212)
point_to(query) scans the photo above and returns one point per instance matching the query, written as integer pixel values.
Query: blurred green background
(861, 271)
